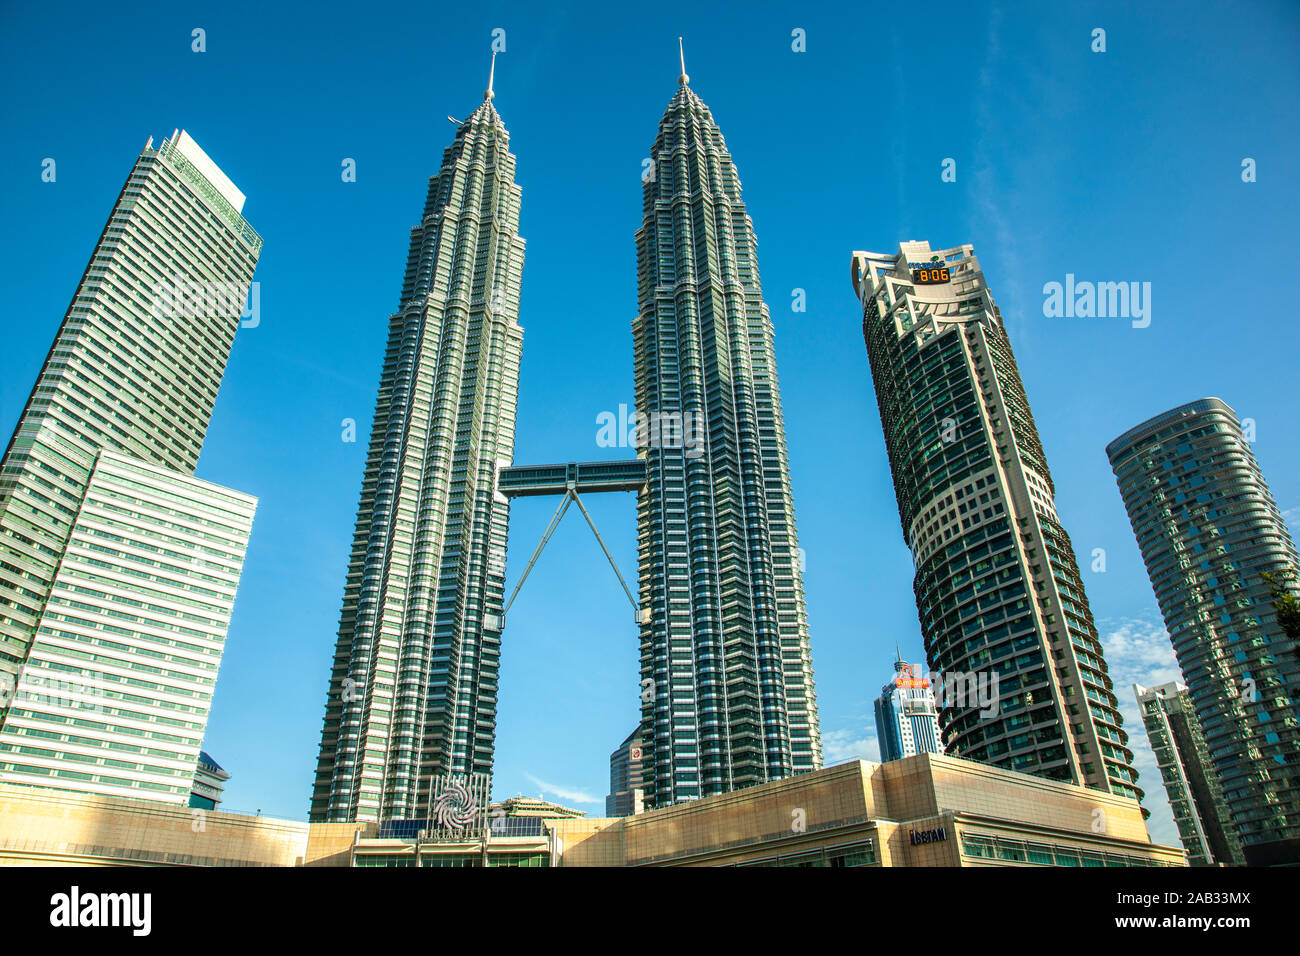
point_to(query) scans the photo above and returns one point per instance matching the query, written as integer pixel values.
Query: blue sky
(1122, 166)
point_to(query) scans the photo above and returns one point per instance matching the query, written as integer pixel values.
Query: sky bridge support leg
(570, 497)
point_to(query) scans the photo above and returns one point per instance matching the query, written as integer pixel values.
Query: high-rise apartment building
(997, 586)
(724, 639)
(907, 719)
(1209, 530)
(413, 689)
(1191, 782)
(118, 569)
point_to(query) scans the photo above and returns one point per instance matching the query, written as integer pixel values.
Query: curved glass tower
(413, 689)
(1208, 529)
(725, 659)
(997, 586)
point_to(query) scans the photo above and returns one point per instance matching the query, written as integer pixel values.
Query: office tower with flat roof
(907, 719)
(724, 645)
(997, 586)
(1209, 530)
(1191, 782)
(413, 689)
(626, 793)
(118, 569)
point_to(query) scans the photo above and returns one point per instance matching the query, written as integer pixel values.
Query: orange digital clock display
(932, 275)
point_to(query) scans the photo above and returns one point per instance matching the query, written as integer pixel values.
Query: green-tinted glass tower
(725, 656)
(413, 689)
(998, 590)
(118, 568)
(1209, 530)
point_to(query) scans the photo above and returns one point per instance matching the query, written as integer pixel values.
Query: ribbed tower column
(413, 690)
(726, 643)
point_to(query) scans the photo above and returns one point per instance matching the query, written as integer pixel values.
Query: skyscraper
(413, 690)
(907, 720)
(626, 794)
(118, 569)
(998, 590)
(1209, 529)
(1191, 782)
(725, 649)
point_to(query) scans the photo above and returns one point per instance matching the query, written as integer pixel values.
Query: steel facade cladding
(1208, 529)
(997, 586)
(522, 481)
(725, 647)
(413, 688)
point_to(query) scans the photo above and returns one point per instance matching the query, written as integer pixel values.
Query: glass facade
(856, 854)
(413, 688)
(1004, 851)
(115, 693)
(428, 858)
(1208, 529)
(118, 569)
(724, 644)
(998, 590)
(134, 368)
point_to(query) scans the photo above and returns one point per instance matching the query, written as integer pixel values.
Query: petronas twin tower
(725, 659)
(728, 635)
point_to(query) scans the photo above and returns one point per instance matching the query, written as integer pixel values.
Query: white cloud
(1138, 651)
(565, 794)
(840, 746)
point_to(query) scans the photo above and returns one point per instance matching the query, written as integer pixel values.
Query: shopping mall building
(926, 810)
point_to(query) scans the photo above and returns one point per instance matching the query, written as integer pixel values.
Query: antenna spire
(488, 94)
(684, 80)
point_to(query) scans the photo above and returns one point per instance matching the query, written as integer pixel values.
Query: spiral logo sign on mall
(454, 806)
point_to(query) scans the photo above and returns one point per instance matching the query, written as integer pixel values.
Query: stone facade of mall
(926, 810)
